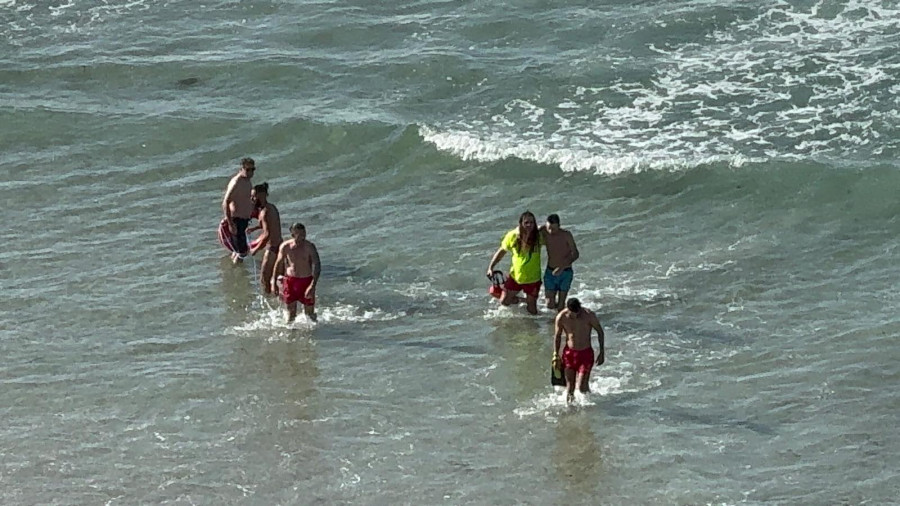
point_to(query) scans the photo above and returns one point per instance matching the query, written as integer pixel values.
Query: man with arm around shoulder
(561, 254)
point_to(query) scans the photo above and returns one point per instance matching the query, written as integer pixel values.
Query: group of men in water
(294, 263)
(524, 243)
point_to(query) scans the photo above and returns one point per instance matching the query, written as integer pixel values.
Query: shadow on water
(519, 343)
(237, 286)
(576, 456)
(291, 365)
(187, 82)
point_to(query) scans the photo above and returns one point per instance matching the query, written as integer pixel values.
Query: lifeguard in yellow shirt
(524, 242)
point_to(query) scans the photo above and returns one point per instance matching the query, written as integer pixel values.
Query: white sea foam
(71, 16)
(603, 383)
(792, 83)
(496, 311)
(351, 313)
(273, 319)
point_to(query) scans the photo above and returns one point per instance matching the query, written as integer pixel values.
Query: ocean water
(728, 170)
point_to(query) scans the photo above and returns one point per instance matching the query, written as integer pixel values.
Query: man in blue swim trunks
(561, 253)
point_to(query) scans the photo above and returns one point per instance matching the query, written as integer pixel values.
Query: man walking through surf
(237, 206)
(298, 262)
(270, 239)
(561, 254)
(577, 355)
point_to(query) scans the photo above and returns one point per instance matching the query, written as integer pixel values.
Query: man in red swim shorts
(299, 267)
(577, 356)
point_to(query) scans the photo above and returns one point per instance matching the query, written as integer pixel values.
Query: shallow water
(727, 171)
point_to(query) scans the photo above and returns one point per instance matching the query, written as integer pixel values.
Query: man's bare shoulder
(564, 316)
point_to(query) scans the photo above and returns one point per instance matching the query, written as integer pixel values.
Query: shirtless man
(577, 355)
(237, 205)
(561, 253)
(298, 261)
(270, 238)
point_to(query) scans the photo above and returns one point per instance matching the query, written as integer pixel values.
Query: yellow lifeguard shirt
(526, 265)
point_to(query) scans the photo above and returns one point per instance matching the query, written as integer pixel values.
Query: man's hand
(310, 291)
(556, 362)
(601, 357)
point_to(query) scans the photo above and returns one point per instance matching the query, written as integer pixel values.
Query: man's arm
(315, 264)
(278, 268)
(557, 335)
(495, 260)
(595, 323)
(229, 192)
(570, 257)
(573, 249)
(557, 338)
(263, 239)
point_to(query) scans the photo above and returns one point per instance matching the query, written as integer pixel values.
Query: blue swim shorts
(559, 283)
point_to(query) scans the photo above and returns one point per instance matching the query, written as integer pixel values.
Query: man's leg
(310, 312)
(509, 297)
(551, 298)
(561, 300)
(584, 380)
(570, 385)
(240, 239)
(292, 311)
(565, 283)
(266, 270)
(531, 303)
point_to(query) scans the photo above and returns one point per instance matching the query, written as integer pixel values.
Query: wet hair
(297, 226)
(262, 188)
(247, 161)
(573, 305)
(553, 218)
(528, 241)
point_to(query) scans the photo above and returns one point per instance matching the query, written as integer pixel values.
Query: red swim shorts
(580, 360)
(532, 289)
(294, 289)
